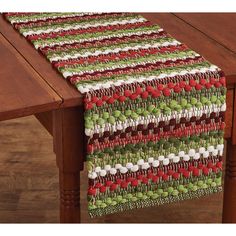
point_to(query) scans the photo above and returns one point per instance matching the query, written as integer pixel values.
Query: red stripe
(19, 13)
(169, 170)
(103, 42)
(155, 92)
(90, 30)
(155, 82)
(119, 56)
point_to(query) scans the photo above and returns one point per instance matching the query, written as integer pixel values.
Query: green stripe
(80, 22)
(152, 202)
(163, 106)
(90, 36)
(125, 63)
(39, 16)
(155, 72)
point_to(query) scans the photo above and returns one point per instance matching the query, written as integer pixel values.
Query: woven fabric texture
(153, 108)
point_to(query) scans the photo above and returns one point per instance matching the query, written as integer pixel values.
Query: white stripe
(119, 125)
(192, 154)
(81, 26)
(112, 83)
(116, 50)
(42, 45)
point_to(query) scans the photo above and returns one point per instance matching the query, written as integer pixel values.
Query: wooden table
(30, 86)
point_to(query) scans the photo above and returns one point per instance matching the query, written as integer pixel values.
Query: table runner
(153, 109)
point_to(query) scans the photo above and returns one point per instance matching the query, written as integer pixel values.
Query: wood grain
(233, 135)
(69, 146)
(218, 26)
(28, 173)
(229, 207)
(45, 118)
(70, 96)
(229, 114)
(22, 91)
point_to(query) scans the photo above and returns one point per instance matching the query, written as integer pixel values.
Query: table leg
(69, 147)
(229, 203)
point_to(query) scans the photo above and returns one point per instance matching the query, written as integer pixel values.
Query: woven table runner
(153, 109)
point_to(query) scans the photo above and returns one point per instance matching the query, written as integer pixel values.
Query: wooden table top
(218, 26)
(29, 84)
(69, 95)
(22, 90)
